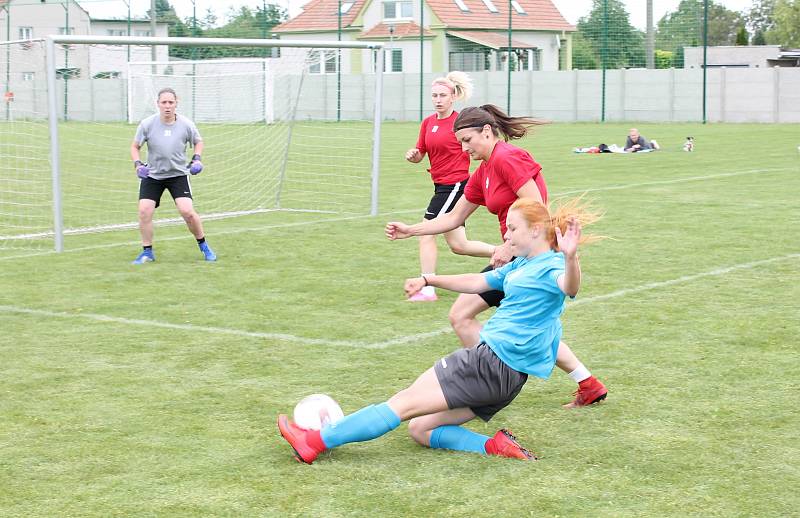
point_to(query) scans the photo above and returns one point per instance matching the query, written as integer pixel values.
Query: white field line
(375, 345)
(216, 233)
(675, 180)
(383, 215)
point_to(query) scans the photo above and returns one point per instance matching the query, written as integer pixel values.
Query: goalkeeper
(167, 135)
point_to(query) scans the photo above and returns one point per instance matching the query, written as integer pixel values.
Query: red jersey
(449, 164)
(495, 183)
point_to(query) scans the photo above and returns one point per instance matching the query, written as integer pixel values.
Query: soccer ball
(317, 410)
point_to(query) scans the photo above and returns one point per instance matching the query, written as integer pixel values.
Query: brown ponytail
(509, 127)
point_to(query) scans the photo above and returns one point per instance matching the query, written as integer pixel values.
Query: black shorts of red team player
(492, 297)
(444, 199)
(152, 189)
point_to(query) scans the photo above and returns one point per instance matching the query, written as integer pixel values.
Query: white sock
(580, 373)
(428, 290)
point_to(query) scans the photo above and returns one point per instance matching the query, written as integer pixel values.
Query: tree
(786, 31)
(612, 42)
(684, 27)
(241, 22)
(664, 59)
(742, 36)
(760, 19)
(583, 55)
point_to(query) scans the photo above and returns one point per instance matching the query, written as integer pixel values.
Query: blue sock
(457, 438)
(366, 424)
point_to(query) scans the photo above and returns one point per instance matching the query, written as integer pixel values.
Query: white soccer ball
(317, 410)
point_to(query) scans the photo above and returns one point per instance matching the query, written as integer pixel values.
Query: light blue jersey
(526, 329)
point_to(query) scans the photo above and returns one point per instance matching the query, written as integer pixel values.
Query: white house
(467, 35)
(26, 20)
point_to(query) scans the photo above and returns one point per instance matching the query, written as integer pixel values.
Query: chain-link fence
(690, 64)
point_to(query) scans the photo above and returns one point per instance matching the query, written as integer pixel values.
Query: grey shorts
(476, 378)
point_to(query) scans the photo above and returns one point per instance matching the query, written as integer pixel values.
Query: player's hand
(397, 230)
(501, 256)
(413, 155)
(412, 286)
(142, 169)
(195, 166)
(568, 242)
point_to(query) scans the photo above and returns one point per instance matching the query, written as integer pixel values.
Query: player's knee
(188, 213)
(458, 317)
(418, 431)
(145, 214)
(458, 247)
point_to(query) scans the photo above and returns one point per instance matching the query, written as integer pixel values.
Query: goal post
(275, 137)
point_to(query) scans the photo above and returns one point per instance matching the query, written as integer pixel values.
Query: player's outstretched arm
(451, 220)
(570, 282)
(464, 283)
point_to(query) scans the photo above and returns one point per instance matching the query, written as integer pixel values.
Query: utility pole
(153, 54)
(338, 64)
(651, 37)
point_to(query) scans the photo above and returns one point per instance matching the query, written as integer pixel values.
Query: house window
(397, 9)
(470, 61)
(461, 5)
(489, 5)
(392, 60)
(66, 31)
(117, 32)
(28, 76)
(323, 62)
(395, 60)
(68, 73)
(142, 33)
(108, 75)
(26, 33)
(346, 7)
(517, 7)
(529, 59)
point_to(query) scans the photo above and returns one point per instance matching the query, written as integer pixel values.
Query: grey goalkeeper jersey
(166, 145)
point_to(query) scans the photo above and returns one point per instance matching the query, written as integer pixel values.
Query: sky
(571, 9)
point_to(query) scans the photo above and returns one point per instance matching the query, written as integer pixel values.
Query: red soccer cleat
(504, 444)
(298, 438)
(590, 391)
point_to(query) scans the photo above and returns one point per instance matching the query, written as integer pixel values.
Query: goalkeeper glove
(195, 166)
(142, 169)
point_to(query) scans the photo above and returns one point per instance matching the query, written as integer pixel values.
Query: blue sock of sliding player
(457, 438)
(366, 424)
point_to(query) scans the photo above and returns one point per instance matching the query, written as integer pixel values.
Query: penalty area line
(401, 340)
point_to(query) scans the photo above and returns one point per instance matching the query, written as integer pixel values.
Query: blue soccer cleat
(145, 256)
(207, 252)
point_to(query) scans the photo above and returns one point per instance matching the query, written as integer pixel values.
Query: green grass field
(153, 391)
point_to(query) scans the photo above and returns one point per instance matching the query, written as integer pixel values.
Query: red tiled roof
(401, 30)
(541, 15)
(493, 40)
(321, 15)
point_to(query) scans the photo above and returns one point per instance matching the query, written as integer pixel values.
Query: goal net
(283, 129)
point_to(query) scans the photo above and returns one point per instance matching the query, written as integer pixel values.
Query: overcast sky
(571, 9)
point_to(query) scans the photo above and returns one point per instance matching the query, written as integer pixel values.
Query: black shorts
(476, 378)
(152, 189)
(444, 199)
(492, 297)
